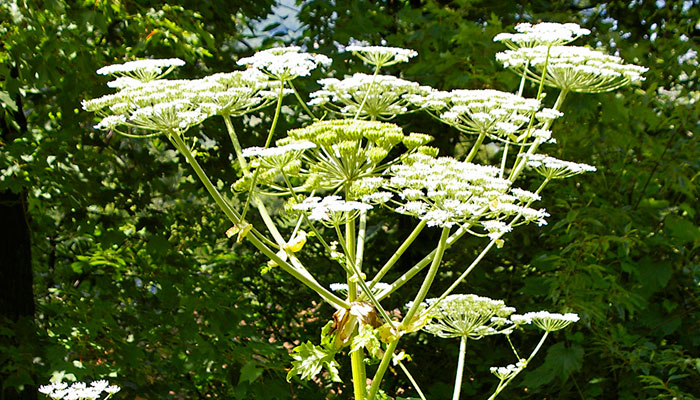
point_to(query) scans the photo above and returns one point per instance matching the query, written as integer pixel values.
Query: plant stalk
(460, 367)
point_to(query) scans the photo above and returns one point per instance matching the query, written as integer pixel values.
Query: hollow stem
(398, 253)
(408, 275)
(460, 368)
(428, 281)
(383, 365)
(369, 88)
(475, 147)
(464, 274)
(300, 274)
(302, 102)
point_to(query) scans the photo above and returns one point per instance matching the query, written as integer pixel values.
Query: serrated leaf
(250, 372)
(310, 359)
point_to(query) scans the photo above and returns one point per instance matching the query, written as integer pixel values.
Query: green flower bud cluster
(348, 150)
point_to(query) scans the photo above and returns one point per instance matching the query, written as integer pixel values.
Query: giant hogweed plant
(334, 172)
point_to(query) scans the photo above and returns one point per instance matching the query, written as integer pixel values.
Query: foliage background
(134, 280)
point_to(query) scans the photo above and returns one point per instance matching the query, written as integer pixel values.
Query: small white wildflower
(381, 56)
(551, 321)
(276, 151)
(525, 196)
(544, 33)
(142, 70)
(323, 209)
(468, 315)
(285, 63)
(496, 229)
(572, 68)
(553, 168)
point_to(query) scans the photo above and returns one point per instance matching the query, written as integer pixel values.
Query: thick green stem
(465, 273)
(236, 144)
(377, 380)
(408, 275)
(359, 374)
(302, 275)
(303, 104)
(460, 368)
(428, 281)
(364, 99)
(276, 117)
(475, 147)
(213, 192)
(522, 160)
(398, 253)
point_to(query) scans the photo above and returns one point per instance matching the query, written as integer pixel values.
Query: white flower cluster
(576, 69)
(384, 96)
(468, 315)
(507, 372)
(142, 70)
(331, 209)
(168, 105)
(79, 390)
(285, 63)
(544, 33)
(545, 320)
(500, 115)
(277, 151)
(553, 168)
(444, 191)
(381, 56)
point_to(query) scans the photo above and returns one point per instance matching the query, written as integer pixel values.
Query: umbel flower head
(381, 56)
(159, 105)
(347, 150)
(572, 68)
(175, 105)
(542, 34)
(385, 100)
(142, 70)
(234, 93)
(443, 192)
(331, 210)
(285, 63)
(79, 390)
(552, 168)
(500, 115)
(467, 315)
(546, 320)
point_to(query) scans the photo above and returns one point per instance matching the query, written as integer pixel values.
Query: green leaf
(250, 372)
(7, 101)
(310, 359)
(561, 362)
(681, 229)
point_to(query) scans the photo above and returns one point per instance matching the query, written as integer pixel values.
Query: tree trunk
(16, 279)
